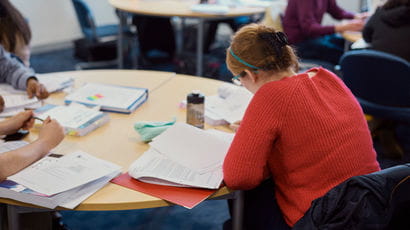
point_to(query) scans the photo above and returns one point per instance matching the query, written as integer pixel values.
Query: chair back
(377, 77)
(86, 19)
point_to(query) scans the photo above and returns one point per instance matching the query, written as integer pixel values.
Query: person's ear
(252, 75)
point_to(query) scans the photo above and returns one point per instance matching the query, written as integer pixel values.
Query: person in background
(50, 135)
(301, 135)
(388, 29)
(15, 33)
(19, 76)
(302, 23)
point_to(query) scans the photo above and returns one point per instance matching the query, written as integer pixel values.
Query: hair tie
(276, 40)
(241, 61)
(281, 38)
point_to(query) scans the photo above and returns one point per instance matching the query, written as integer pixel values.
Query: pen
(37, 118)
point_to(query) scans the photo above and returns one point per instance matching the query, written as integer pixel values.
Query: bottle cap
(196, 97)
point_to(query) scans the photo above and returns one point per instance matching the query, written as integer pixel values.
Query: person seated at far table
(19, 76)
(15, 33)
(50, 135)
(388, 29)
(303, 133)
(302, 23)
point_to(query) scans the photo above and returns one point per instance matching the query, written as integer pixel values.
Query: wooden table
(117, 141)
(171, 8)
(351, 37)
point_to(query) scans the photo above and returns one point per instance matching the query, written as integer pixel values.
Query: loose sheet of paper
(154, 167)
(192, 147)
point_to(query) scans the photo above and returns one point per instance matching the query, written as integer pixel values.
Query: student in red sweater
(302, 23)
(305, 132)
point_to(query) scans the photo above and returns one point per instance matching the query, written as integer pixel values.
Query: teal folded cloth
(149, 130)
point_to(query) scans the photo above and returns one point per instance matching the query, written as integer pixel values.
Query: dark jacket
(389, 31)
(375, 201)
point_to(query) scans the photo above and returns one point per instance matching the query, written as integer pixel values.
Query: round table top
(352, 36)
(181, 8)
(117, 141)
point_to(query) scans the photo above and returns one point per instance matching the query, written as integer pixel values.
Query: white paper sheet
(154, 167)
(192, 147)
(68, 172)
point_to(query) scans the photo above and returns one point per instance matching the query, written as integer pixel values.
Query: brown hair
(390, 4)
(260, 46)
(12, 25)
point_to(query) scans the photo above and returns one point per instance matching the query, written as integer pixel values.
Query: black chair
(379, 200)
(380, 82)
(100, 42)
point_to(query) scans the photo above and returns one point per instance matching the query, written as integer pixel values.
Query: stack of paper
(55, 83)
(57, 180)
(16, 103)
(77, 119)
(210, 8)
(184, 156)
(228, 106)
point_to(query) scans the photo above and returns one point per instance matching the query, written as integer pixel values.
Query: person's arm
(19, 76)
(51, 134)
(245, 165)
(306, 17)
(338, 13)
(12, 71)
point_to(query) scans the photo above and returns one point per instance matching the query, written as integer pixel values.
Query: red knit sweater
(308, 134)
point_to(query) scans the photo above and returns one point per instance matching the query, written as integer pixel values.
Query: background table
(117, 141)
(171, 8)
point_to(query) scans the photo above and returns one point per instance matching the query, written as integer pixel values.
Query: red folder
(186, 197)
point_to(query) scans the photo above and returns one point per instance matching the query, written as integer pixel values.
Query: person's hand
(23, 120)
(351, 25)
(234, 126)
(2, 103)
(51, 133)
(34, 88)
(361, 16)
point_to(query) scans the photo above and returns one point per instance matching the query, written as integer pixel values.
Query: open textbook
(185, 156)
(77, 119)
(111, 98)
(57, 180)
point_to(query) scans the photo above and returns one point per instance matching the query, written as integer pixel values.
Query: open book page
(67, 172)
(72, 116)
(153, 167)
(192, 147)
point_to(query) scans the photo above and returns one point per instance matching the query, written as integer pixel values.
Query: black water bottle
(195, 109)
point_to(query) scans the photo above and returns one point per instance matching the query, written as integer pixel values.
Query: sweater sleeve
(246, 161)
(311, 27)
(337, 12)
(12, 71)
